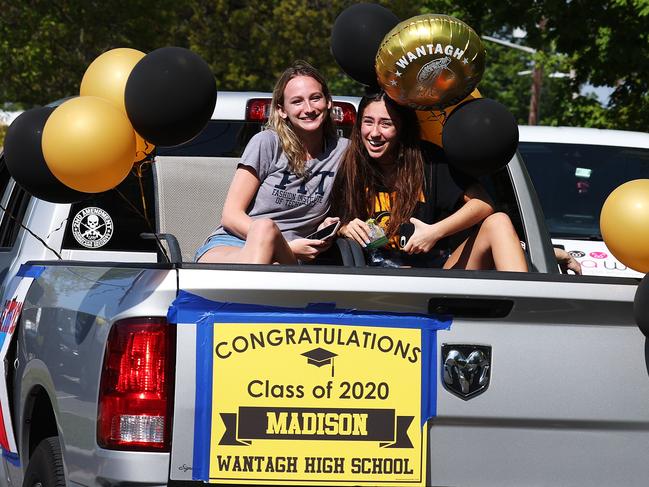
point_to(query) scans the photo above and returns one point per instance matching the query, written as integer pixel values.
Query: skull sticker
(92, 227)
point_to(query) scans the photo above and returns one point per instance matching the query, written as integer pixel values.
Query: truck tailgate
(564, 396)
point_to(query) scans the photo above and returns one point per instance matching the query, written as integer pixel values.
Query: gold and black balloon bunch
(433, 64)
(128, 103)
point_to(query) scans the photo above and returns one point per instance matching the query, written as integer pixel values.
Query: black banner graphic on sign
(230, 435)
(256, 423)
(402, 440)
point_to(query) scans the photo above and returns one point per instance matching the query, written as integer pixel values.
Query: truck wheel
(45, 468)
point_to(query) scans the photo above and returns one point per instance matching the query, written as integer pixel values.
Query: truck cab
(573, 171)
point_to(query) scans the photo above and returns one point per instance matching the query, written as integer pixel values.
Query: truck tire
(45, 468)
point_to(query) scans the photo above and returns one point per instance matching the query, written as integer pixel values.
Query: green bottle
(377, 235)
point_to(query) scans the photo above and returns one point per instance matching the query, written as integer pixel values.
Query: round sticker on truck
(92, 227)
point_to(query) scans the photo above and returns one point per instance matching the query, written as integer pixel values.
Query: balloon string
(140, 174)
(441, 118)
(146, 152)
(148, 222)
(57, 229)
(30, 232)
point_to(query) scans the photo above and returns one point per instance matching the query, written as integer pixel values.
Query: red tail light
(343, 113)
(136, 390)
(258, 110)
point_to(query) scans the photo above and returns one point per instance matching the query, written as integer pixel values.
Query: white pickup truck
(573, 171)
(113, 377)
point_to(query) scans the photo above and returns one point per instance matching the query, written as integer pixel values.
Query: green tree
(604, 43)
(3, 133)
(45, 46)
(248, 44)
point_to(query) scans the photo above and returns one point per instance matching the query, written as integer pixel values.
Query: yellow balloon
(430, 62)
(431, 122)
(624, 223)
(107, 75)
(106, 78)
(88, 144)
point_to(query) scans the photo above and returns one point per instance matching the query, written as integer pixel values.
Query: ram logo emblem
(466, 369)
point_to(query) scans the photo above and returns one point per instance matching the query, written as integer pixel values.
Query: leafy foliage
(249, 44)
(604, 43)
(45, 47)
(3, 133)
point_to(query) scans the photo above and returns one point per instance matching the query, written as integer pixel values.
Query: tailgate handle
(471, 307)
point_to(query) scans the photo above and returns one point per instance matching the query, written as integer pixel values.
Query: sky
(603, 92)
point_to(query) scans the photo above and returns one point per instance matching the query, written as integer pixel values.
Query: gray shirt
(297, 205)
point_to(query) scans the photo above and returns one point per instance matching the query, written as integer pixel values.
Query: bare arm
(242, 189)
(566, 261)
(477, 206)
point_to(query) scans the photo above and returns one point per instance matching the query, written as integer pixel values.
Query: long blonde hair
(292, 145)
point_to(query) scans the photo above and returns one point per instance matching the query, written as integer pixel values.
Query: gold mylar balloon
(430, 62)
(624, 223)
(107, 75)
(431, 122)
(88, 144)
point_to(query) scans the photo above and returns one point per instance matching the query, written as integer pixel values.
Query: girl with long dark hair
(444, 218)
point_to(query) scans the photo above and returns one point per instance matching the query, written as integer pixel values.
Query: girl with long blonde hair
(281, 189)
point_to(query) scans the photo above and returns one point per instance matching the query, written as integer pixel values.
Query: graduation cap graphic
(319, 357)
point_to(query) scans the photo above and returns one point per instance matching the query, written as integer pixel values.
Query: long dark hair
(359, 180)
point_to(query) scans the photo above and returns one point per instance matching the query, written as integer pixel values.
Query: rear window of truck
(574, 180)
(218, 139)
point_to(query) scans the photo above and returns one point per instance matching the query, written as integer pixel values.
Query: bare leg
(495, 245)
(264, 245)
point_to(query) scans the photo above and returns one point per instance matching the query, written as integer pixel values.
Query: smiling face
(305, 105)
(379, 132)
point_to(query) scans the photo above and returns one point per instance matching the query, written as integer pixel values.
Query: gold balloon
(106, 78)
(88, 144)
(430, 62)
(624, 223)
(107, 75)
(431, 122)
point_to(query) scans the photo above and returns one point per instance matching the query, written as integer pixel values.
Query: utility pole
(535, 95)
(537, 78)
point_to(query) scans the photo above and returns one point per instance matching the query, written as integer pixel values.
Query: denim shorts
(223, 240)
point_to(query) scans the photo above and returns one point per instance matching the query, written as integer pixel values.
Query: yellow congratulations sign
(316, 404)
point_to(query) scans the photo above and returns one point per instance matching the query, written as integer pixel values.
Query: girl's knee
(498, 222)
(263, 234)
(263, 227)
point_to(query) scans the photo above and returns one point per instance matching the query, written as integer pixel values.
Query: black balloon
(26, 163)
(641, 306)
(480, 137)
(356, 37)
(170, 96)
